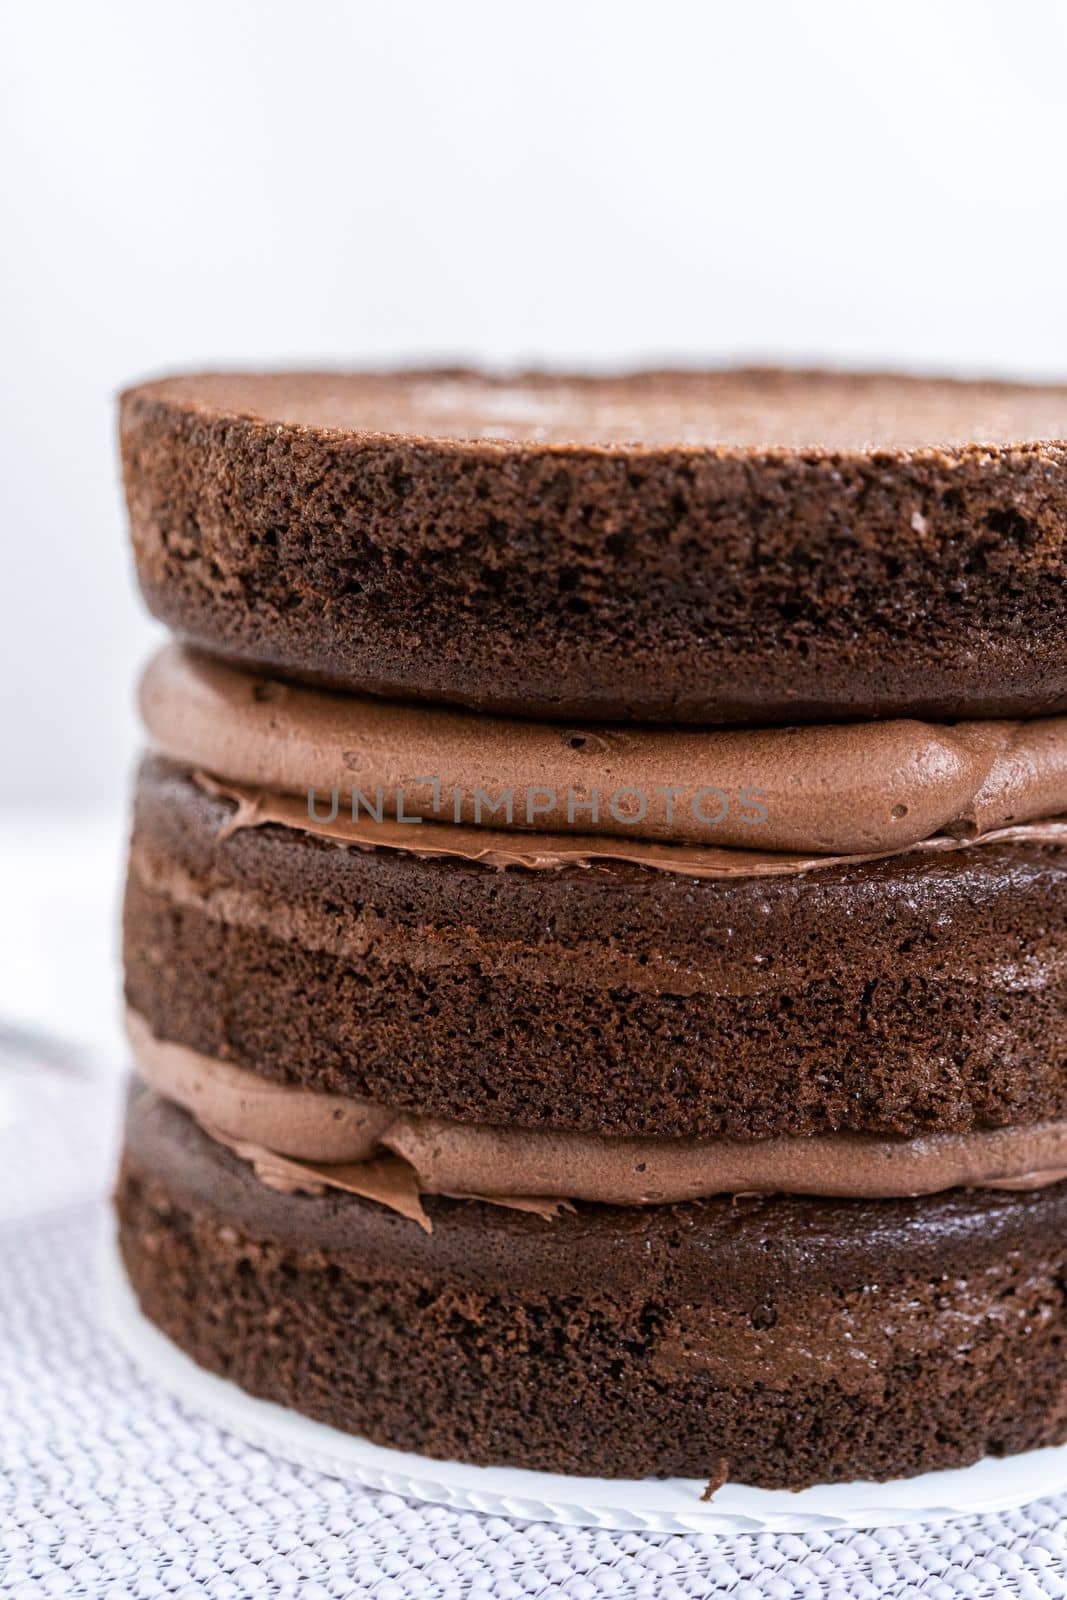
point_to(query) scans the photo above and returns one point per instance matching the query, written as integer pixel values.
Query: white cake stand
(669, 1505)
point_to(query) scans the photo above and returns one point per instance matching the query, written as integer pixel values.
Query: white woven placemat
(109, 1488)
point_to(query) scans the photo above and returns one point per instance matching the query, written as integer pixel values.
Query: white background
(271, 181)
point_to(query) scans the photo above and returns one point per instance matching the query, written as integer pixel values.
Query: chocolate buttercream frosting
(302, 1139)
(852, 789)
(495, 847)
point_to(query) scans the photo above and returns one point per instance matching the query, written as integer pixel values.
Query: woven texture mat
(110, 1488)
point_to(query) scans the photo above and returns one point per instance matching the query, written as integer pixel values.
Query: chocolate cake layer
(923, 993)
(784, 1341)
(780, 547)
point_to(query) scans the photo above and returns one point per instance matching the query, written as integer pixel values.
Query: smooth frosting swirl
(850, 789)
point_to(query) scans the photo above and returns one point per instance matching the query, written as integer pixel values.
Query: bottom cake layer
(779, 1342)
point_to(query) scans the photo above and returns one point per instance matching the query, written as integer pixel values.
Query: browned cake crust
(920, 993)
(782, 547)
(793, 1340)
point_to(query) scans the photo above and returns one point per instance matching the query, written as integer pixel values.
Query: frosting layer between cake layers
(853, 790)
(302, 1140)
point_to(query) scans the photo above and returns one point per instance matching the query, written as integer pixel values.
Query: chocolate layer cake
(648, 1095)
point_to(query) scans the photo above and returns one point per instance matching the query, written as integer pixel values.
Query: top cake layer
(746, 410)
(732, 547)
